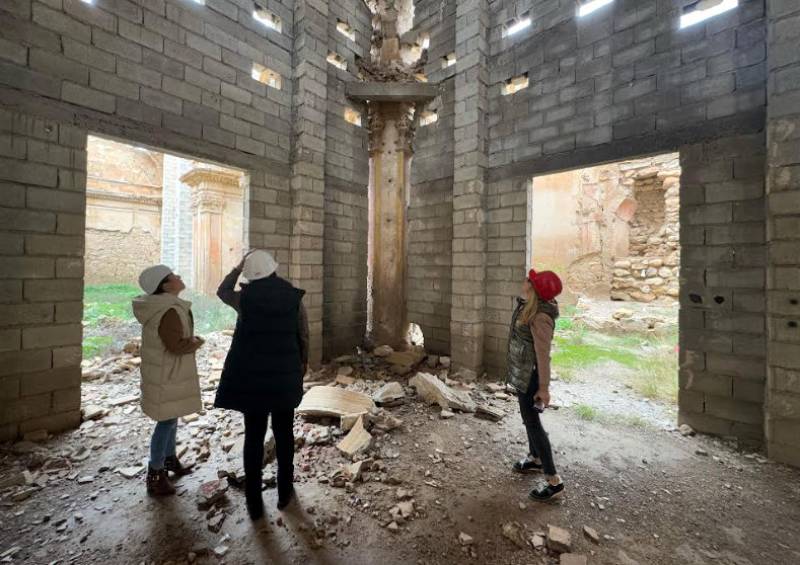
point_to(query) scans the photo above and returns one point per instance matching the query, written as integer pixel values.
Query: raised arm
(227, 289)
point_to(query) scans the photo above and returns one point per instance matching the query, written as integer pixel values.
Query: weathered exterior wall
(723, 274)
(176, 219)
(164, 74)
(783, 230)
(346, 198)
(615, 233)
(123, 211)
(430, 213)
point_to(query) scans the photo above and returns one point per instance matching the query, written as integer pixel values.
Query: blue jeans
(162, 444)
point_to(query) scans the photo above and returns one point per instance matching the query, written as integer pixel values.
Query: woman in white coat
(170, 384)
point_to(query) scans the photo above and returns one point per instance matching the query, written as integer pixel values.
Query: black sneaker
(526, 466)
(547, 493)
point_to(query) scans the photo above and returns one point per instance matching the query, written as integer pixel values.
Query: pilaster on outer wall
(308, 162)
(782, 407)
(469, 228)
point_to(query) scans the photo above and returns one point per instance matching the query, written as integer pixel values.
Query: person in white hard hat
(263, 373)
(170, 384)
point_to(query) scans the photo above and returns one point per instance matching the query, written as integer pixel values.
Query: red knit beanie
(547, 284)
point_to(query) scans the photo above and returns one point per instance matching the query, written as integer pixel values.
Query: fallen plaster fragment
(356, 441)
(389, 393)
(558, 539)
(332, 401)
(435, 391)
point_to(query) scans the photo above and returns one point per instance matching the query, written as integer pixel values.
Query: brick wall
(171, 75)
(346, 180)
(723, 274)
(430, 211)
(783, 201)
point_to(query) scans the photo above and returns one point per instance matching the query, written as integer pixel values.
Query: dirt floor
(653, 495)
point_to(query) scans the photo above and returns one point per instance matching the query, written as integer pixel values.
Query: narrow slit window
(267, 76)
(516, 25)
(428, 117)
(424, 40)
(201, 2)
(702, 10)
(337, 61)
(515, 84)
(448, 60)
(586, 7)
(267, 18)
(421, 77)
(352, 116)
(346, 29)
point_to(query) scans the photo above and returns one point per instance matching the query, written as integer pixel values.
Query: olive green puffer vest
(521, 353)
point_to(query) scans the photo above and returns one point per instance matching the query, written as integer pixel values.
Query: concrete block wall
(174, 76)
(346, 189)
(723, 276)
(626, 72)
(783, 232)
(430, 210)
(42, 207)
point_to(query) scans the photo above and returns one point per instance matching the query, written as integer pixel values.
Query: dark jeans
(538, 442)
(255, 429)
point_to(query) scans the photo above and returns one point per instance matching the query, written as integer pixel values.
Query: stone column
(469, 216)
(782, 407)
(211, 189)
(310, 83)
(390, 150)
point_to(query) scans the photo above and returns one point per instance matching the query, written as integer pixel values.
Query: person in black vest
(264, 369)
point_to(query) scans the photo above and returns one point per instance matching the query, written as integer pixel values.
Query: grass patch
(96, 346)
(656, 377)
(108, 301)
(587, 412)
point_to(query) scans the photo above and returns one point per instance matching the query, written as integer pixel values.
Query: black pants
(255, 429)
(538, 442)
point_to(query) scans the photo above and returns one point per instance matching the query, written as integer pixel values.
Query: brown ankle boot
(173, 465)
(158, 483)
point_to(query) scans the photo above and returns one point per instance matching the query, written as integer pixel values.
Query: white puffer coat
(170, 384)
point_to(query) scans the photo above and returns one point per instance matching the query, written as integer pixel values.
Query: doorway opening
(145, 207)
(611, 232)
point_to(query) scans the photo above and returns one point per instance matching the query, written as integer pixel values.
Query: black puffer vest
(521, 359)
(263, 369)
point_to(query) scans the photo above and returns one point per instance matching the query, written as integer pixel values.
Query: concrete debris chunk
(221, 550)
(344, 380)
(122, 400)
(383, 351)
(130, 472)
(686, 430)
(537, 541)
(489, 412)
(356, 470)
(384, 421)
(435, 391)
(558, 539)
(93, 412)
(446, 414)
(356, 441)
(444, 362)
(214, 523)
(332, 401)
(591, 533)
(210, 493)
(515, 532)
(390, 393)
(573, 559)
(465, 539)
(92, 374)
(347, 421)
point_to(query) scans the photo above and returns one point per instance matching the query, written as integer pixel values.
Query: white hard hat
(259, 265)
(151, 277)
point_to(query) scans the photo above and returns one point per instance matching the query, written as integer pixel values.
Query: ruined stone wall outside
(123, 211)
(172, 75)
(346, 197)
(783, 206)
(430, 212)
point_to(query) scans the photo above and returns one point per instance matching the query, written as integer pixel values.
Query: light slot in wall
(267, 18)
(337, 61)
(516, 25)
(346, 29)
(448, 60)
(428, 117)
(267, 76)
(702, 10)
(514, 84)
(352, 116)
(586, 7)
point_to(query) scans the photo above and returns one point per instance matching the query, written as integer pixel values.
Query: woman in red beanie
(530, 338)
